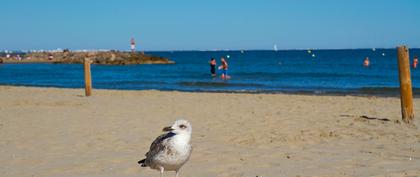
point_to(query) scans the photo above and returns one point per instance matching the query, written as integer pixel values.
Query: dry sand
(48, 132)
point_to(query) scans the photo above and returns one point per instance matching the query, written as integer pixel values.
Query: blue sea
(283, 71)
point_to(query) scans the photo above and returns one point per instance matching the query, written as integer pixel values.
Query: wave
(218, 84)
(386, 90)
(306, 74)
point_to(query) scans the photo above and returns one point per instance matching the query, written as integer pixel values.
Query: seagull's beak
(167, 129)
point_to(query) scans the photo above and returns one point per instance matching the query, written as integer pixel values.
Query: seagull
(171, 150)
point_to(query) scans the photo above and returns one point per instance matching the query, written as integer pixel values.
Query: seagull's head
(180, 127)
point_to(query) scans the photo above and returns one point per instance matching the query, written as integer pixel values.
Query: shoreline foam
(363, 92)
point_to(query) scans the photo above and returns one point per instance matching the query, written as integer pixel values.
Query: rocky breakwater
(101, 57)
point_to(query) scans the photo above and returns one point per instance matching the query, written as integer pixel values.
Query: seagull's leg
(177, 173)
(161, 171)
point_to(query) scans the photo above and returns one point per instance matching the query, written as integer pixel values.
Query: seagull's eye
(182, 126)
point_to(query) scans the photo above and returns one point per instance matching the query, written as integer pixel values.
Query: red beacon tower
(133, 45)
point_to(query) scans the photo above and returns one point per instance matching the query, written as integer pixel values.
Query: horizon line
(196, 50)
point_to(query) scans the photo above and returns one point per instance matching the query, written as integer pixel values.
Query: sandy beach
(49, 132)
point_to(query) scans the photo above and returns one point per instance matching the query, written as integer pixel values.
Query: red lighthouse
(133, 45)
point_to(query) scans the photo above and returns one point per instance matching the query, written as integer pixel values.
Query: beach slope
(53, 132)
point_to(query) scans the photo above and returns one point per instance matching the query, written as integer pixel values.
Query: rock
(106, 58)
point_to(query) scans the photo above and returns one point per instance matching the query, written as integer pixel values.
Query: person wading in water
(212, 63)
(224, 67)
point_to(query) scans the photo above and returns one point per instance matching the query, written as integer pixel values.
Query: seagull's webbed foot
(161, 171)
(177, 173)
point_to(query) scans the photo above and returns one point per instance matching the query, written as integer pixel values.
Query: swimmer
(212, 63)
(366, 62)
(415, 62)
(224, 68)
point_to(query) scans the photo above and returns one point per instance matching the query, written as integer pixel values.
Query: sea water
(314, 71)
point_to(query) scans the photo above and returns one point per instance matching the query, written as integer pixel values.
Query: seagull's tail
(142, 163)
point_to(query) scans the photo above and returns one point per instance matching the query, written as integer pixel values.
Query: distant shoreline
(232, 50)
(54, 62)
(279, 50)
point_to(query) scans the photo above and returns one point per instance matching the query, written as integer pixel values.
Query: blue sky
(208, 24)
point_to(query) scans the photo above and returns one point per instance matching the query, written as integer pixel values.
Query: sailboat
(275, 48)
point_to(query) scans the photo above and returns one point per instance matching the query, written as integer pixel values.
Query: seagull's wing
(158, 145)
